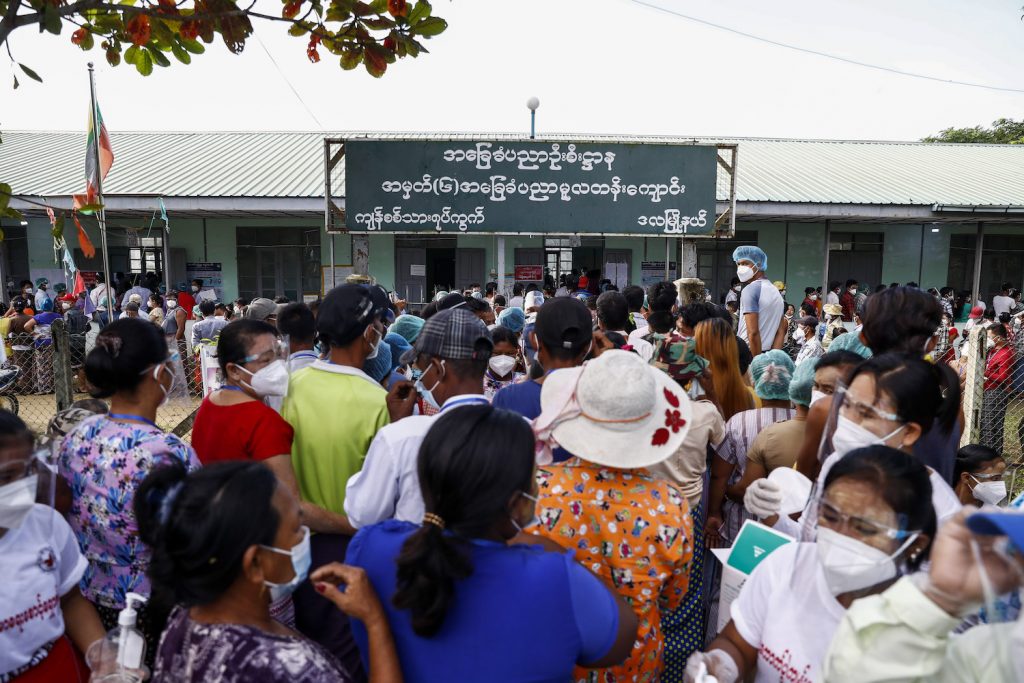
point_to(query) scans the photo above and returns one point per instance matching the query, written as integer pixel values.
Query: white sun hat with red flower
(615, 410)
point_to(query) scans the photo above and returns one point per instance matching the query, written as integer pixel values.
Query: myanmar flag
(94, 176)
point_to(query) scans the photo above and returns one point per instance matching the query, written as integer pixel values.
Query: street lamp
(532, 105)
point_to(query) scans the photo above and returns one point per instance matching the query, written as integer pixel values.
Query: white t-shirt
(786, 611)
(944, 499)
(1002, 304)
(516, 302)
(761, 297)
(832, 298)
(40, 562)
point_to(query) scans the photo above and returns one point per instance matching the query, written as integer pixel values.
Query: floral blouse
(493, 385)
(103, 462)
(635, 532)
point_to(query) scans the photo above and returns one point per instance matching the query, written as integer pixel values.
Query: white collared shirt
(644, 348)
(301, 359)
(388, 486)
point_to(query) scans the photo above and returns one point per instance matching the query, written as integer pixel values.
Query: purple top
(104, 461)
(232, 653)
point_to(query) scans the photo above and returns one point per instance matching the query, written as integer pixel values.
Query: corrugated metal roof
(290, 164)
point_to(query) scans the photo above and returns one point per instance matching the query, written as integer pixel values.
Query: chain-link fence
(991, 368)
(45, 373)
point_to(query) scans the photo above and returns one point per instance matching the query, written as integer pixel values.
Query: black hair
(809, 290)
(500, 300)
(921, 392)
(698, 312)
(634, 295)
(900, 319)
(517, 289)
(903, 482)
(972, 458)
(468, 483)
(282, 300)
(199, 525)
(808, 310)
(850, 283)
(123, 351)
(1004, 319)
(207, 307)
(532, 287)
(470, 368)
(880, 288)
(833, 285)
(839, 332)
(745, 356)
(429, 310)
(661, 322)
(835, 359)
(998, 329)
(989, 314)
(491, 287)
(14, 428)
(475, 305)
(734, 281)
(234, 341)
(297, 321)
(198, 282)
(19, 304)
(613, 311)
(661, 296)
(503, 334)
(1006, 286)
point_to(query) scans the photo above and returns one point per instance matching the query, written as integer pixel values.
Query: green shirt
(335, 411)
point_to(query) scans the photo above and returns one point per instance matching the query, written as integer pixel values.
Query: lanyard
(231, 387)
(468, 401)
(129, 416)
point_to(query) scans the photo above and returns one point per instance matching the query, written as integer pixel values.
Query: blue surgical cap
(753, 254)
(512, 318)
(407, 326)
(398, 346)
(380, 367)
(850, 342)
(772, 372)
(801, 384)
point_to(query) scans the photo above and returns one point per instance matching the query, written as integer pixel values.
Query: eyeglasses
(835, 518)
(997, 476)
(859, 411)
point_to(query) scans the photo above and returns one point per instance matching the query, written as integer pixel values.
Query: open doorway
(441, 269)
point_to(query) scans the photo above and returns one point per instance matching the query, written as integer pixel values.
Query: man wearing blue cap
(761, 306)
(903, 634)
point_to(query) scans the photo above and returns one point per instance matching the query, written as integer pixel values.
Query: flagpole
(101, 216)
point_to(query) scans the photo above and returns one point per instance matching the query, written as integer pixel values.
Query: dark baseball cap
(348, 310)
(455, 334)
(808, 321)
(564, 323)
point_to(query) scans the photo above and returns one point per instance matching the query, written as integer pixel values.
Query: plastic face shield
(28, 478)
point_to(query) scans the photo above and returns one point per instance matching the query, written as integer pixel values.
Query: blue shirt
(522, 615)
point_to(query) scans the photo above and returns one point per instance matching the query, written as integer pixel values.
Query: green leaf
(108, 22)
(419, 12)
(379, 6)
(5, 195)
(379, 24)
(58, 228)
(50, 20)
(351, 59)
(181, 54)
(297, 30)
(30, 73)
(144, 63)
(131, 54)
(431, 26)
(161, 31)
(16, 84)
(87, 41)
(337, 14)
(158, 57)
(90, 209)
(193, 46)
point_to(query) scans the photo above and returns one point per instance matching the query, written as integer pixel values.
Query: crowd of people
(526, 488)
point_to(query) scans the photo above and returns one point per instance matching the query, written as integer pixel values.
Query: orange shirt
(635, 532)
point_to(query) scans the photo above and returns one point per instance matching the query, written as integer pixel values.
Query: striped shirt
(740, 431)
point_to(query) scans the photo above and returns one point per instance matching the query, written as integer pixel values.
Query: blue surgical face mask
(301, 561)
(428, 394)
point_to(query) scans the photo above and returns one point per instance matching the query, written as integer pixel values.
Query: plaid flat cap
(453, 333)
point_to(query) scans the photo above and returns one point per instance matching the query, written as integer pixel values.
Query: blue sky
(598, 66)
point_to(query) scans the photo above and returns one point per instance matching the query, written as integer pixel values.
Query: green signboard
(529, 186)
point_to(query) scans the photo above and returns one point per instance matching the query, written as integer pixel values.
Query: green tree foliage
(1002, 132)
(148, 33)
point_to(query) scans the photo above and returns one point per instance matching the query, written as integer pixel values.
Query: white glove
(763, 498)
(715, 666)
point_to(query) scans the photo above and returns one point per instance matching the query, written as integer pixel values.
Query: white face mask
(744, 273)
(501, 365)
(813, 297)
(374, 346)
(798, 336)
(989, 492)
(171, 304)
(194, 288)
(269, 381)
(990, 344)
(817, 395)
(849, 436)
(850, 565)
(737, 288)
(28, 290)
(16, 500)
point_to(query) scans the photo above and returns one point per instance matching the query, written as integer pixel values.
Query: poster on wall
(654, 271)
(529, 273)
(210, 273)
